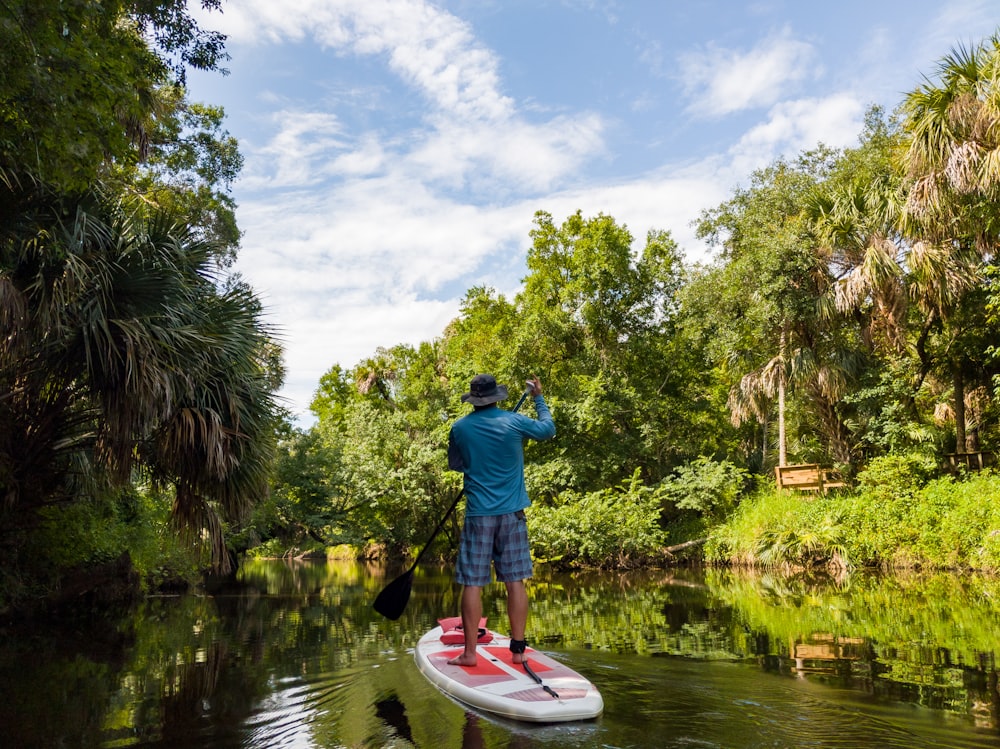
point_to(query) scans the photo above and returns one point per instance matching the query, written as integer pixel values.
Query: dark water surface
(294, 656)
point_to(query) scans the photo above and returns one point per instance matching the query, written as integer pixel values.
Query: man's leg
(517, 613)
(472, 612)
(513, 564)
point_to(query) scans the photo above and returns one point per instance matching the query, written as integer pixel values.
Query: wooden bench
(807, 477)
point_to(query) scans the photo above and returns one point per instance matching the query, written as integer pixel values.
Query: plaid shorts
(502, 539)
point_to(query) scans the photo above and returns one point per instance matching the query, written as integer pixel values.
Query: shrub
(959, 528)
(706, 486)
(893, 476)
(945, 523)
(615, 527)
(98, 529)
(773, 528)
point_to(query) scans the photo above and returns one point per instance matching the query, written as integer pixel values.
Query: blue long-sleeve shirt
(487, 445)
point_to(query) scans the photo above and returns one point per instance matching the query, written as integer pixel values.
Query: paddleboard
(497, 685)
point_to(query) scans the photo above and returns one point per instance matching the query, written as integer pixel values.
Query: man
(487, 446)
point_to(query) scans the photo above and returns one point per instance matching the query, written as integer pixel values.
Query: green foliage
(896, 476)
(942, 523)
(596, 321)
(888, 418)
(709, 487)
(80, 80)
(780, 528)
(190, 165)
(332, 396)
(127, 355)
(610, 528)
(898, 518)
(304, 509)
(98, 529)
(757, 309)
(951, 159)
(481, 339)
(391, 477)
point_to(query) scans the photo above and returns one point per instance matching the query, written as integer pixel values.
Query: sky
(396, 151)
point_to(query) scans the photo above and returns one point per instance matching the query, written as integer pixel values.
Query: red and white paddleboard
(497, 685)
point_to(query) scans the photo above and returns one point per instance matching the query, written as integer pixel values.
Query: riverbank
(895, 519)
(900, 515)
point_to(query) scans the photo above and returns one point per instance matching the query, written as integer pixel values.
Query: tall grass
(897, 518)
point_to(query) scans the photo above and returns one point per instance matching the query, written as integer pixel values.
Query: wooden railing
(976, 461)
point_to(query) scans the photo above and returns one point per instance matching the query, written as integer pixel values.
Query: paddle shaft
(454, 504)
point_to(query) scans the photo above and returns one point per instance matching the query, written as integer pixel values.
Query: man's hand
(534, 386)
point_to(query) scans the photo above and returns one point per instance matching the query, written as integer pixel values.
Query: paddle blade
(391, 602)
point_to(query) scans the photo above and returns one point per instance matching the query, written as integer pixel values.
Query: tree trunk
(959, 384)
(765, 427)
(782, 452)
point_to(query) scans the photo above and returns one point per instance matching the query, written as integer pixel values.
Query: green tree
(189, 167)
(332, 396)
(482, 339)
(759, 306)
(953, 162)
(855, 217)
(307, 506)
(597, 323)
(126, 356)
(123, 353)
(381, 436)
(80, 79)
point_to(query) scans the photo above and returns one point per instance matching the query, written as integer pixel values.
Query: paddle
(391, 602)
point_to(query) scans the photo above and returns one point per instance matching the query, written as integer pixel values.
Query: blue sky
(397, 150)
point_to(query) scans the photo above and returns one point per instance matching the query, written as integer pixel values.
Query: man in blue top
(487, 446)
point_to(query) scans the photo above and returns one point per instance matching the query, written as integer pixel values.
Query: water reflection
(292, 655)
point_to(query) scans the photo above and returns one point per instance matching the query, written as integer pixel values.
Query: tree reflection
(297, 649)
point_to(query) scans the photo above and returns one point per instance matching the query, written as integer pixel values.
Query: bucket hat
(484, 390)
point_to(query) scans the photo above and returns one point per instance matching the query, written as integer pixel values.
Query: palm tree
(123, 354)
(953, 163)
(787, 355)
(954, 143)
(857, 236)
(377, 376)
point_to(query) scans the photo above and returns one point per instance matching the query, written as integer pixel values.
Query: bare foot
(518, 657)
(465, 659)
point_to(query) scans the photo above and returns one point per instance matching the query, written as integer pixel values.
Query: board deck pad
(498, 685)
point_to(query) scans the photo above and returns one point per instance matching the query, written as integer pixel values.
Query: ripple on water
(288, 718)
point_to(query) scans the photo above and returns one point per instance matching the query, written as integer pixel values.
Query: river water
(292, 655)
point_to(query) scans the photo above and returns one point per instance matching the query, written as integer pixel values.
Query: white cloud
(363, 264)
(794, 126)
(474, 136)
(722, 81)
(293, 157)
(508, 154)
(360, 238)
(429, 48)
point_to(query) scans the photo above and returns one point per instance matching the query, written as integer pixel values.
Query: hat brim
(485, 400)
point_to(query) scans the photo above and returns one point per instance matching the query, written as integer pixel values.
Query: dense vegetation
(135, 373)
(849, 317)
